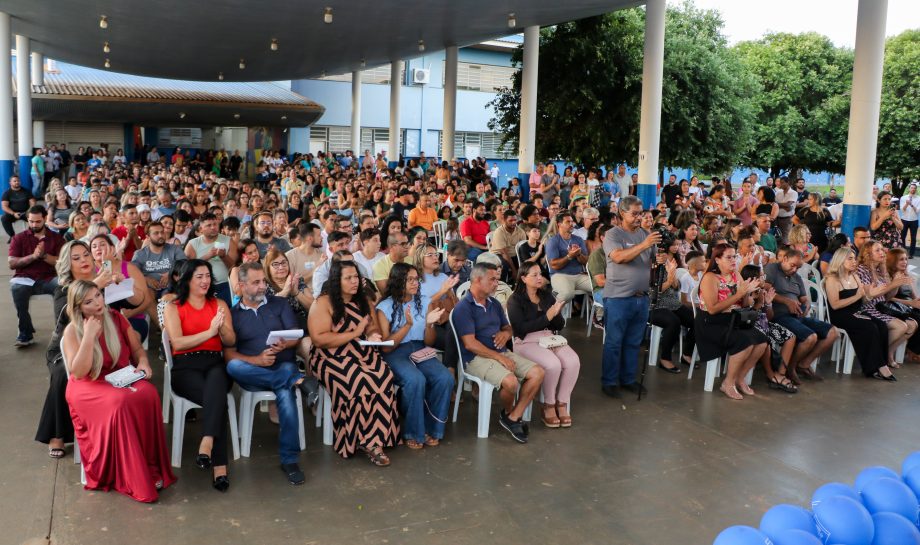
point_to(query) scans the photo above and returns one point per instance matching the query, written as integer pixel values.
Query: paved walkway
(675, 468)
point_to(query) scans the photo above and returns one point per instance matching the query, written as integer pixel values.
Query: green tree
(803, 104)
(899, 120)
(590, 87)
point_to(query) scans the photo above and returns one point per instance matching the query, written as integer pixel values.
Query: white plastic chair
(485, 391)
(713, 366)
(843, 340)
(594, 308)
(76, 445)
(440, 230)
(248, 403)
(489, 240)
(462, 289)
(181, 406)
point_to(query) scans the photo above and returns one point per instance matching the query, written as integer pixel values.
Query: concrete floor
(675, 468)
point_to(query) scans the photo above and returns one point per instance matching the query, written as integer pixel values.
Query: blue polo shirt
(471, 318)
(557, 247)
(252, 326)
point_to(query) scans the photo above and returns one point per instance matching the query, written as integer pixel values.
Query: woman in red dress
(120, 430)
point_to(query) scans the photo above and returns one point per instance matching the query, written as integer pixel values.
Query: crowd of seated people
(408, 280)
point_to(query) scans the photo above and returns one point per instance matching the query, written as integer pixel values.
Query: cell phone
(107, 265)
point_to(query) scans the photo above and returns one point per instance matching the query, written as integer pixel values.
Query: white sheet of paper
(22, 281)
(375, 343)
(283, 335)
(117, 292)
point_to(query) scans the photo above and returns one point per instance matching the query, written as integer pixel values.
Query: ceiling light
(274, 45)
(236, 116)
(104, 22)
(242, 64)
(181, 115)
(284, 118)
(108, 64)
(285, 129)
(512, 22)
(327, 15)
(363, 63)
(421, 46)
(106, 48)
(220, 76)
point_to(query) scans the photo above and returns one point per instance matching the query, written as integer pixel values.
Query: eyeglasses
(412, 280)
(431, 254)
(279, 264)
(403, 243)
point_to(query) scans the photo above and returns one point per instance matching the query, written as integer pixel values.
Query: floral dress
(888, 234)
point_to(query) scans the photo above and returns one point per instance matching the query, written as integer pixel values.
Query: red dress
(120, 430)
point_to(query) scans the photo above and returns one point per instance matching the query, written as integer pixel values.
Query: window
(467, 143)
(483, 77)
(379, 75)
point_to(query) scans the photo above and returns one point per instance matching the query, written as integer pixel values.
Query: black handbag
(743, 318)
(894, 309)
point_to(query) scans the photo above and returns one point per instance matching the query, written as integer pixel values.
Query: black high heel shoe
(889, 378)
(203, 461)
(222, 483)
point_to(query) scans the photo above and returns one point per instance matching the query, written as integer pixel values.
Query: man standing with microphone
(630, 252)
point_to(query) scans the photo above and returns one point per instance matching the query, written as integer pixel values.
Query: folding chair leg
(178, 432)
(234, 429)
(327, 418)
(246, 420)
(712, 371)
(460, 381)
(300, 422)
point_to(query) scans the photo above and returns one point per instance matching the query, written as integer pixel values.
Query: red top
(24, 244)
(194, 321)
(121, 232)
(477, 230)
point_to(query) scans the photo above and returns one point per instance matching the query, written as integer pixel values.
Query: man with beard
(16, 202)
(157, 258)
(305, 258)
(265, 235)
(474, 229)
(33, 256)
(256, 365)
(218, 250)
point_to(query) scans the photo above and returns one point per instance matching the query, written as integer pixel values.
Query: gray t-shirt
(156, 265)
(792, 286)
(627, 279)
(280, 244)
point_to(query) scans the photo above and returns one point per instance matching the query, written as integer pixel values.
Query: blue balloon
(893, 529)
(794, 536)
(785, 517)
(844, 520)
(869, 474)
(912, 480)
(742, 535)
(830, 490)
(891, 496)
(912, 461)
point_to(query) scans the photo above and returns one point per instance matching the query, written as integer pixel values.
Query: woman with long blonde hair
(119, 429)
(877, 287)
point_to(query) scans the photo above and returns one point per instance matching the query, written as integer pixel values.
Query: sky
(836, 19)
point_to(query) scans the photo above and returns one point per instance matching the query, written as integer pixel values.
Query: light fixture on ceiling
(242, 64)
(512, 21)
(274, 45)
(220, 76)
(236, 116)
(285, 130)
(108, 64)
(103, 22)
(327, 15)
(421, 46)
(284, 118)
(181, 115)
(106, 48)
(363, 62)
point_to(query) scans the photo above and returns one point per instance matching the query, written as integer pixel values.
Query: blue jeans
(280, 379)
(424, 392)
(21, 296)
(625, 328)
(473, 253)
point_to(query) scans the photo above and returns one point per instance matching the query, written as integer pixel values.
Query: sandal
(56, 453)
(686, 361)
(809, 374)
(745, 389)
(792, 376)
(731, 392)
(785, 384)
(894, 365)
(564, 421)
(551, 421)
(431, 441)
(376, 456)
(413, 444)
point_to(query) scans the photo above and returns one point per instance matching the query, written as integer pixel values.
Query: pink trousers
(560, 365)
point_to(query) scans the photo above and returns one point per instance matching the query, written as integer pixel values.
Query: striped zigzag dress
(364, 410)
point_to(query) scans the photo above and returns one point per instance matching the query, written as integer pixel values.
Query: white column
(38, 78)
(356, 115)
(7, 153)
(395, 85)
(450, 103)
(650, 116)
(24, 110)
(866, 95)
(528, 134)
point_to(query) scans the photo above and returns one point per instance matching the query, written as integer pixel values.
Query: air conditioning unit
(421, 76)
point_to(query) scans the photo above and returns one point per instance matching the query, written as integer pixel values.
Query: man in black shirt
(670, 192)
(831, 198)
(66, 161)
(16, 202)
(235, 163)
